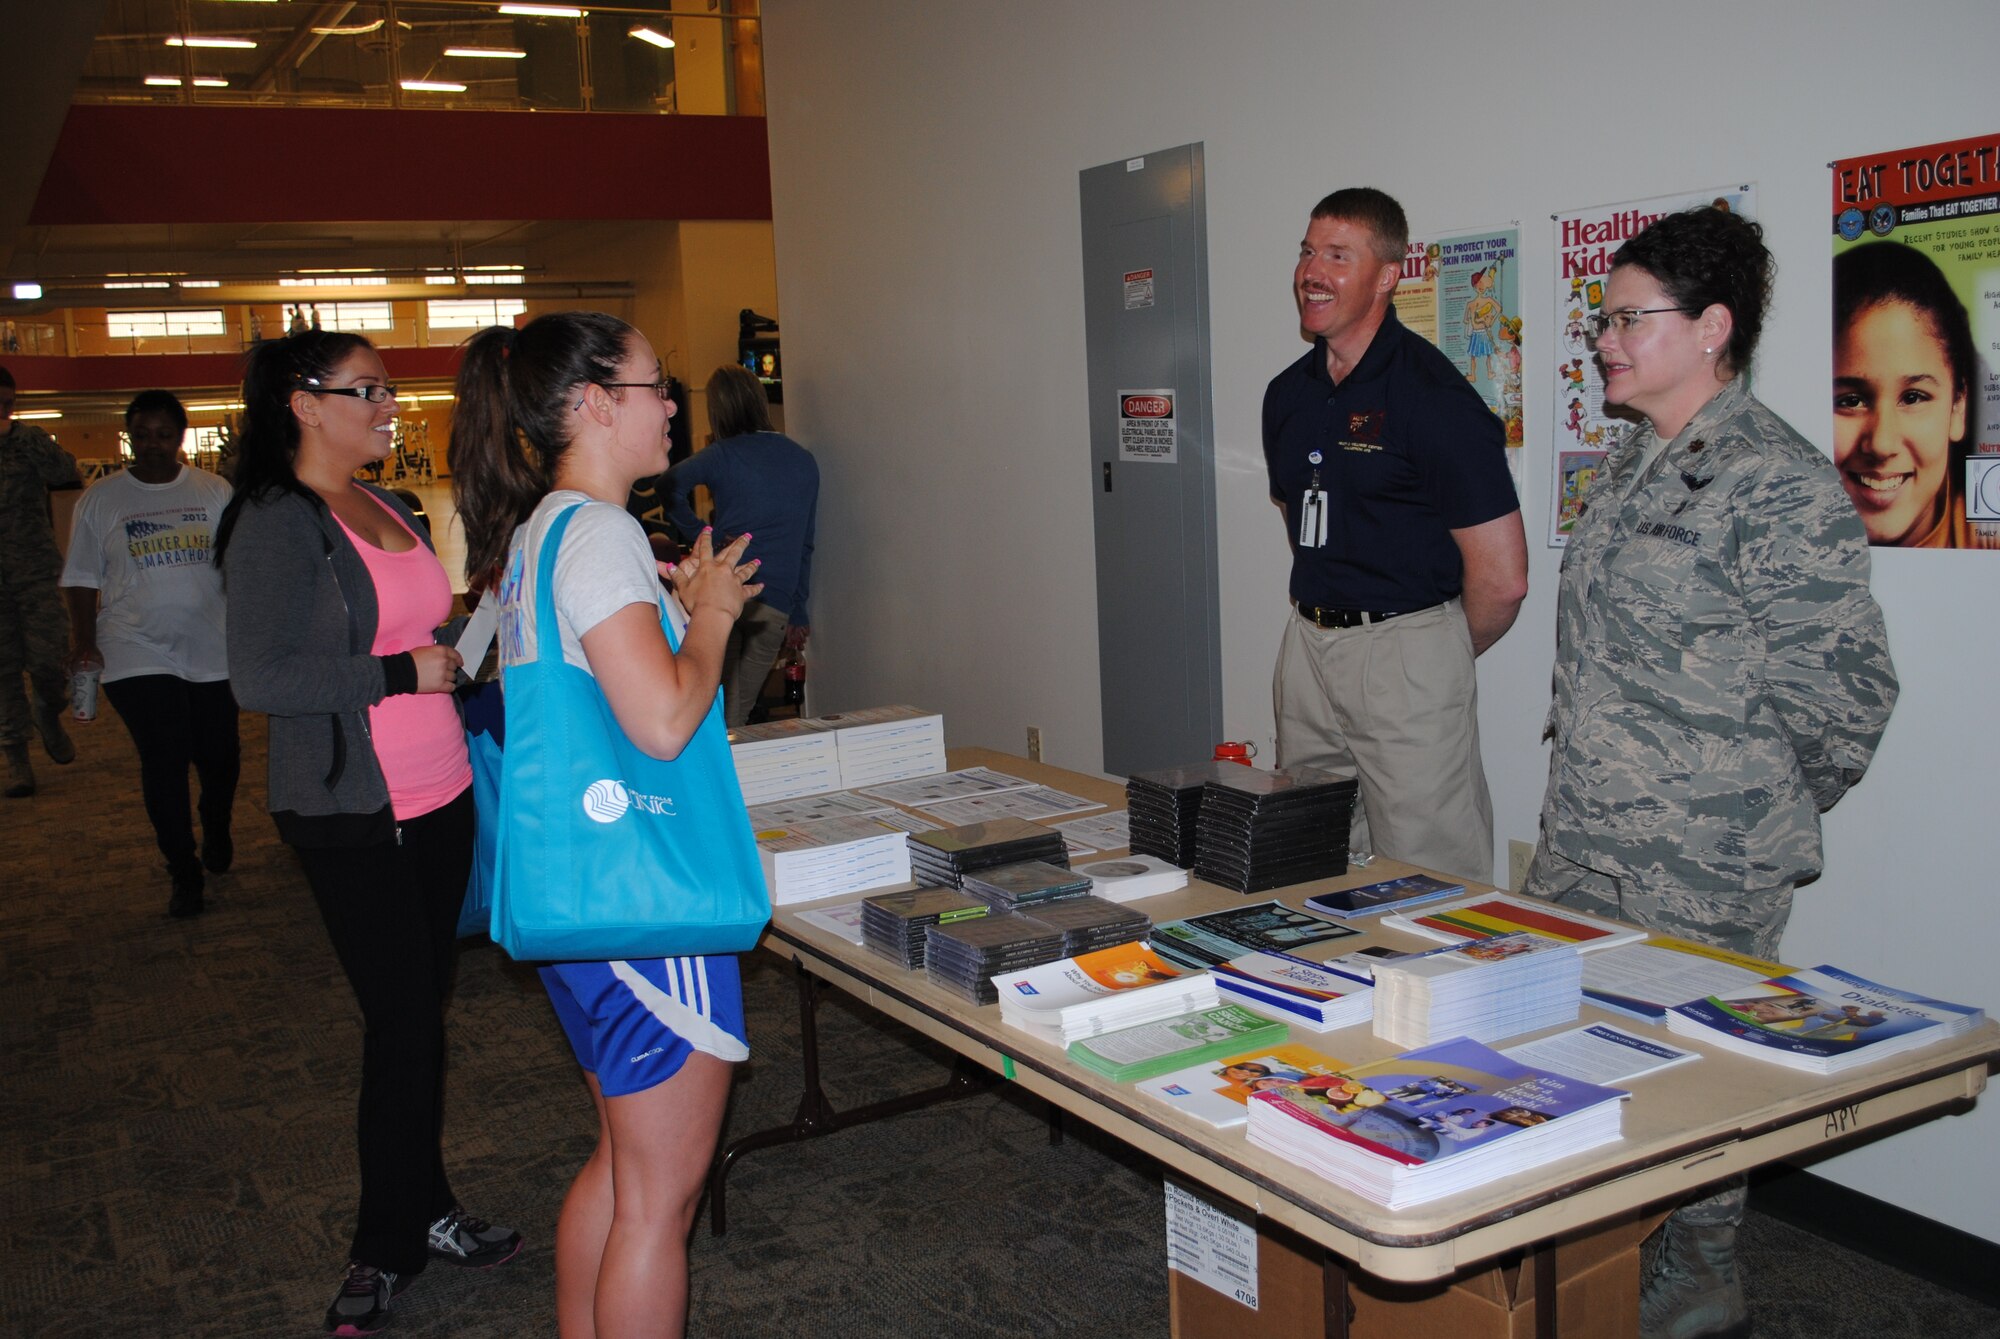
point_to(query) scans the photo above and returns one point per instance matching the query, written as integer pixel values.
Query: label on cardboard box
(1211, 1246)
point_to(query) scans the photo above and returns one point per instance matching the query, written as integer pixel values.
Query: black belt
(1346, 618)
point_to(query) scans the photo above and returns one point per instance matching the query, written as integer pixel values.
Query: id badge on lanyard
(1312, 512)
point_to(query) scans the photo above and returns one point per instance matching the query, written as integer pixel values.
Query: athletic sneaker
(362, 1304)
(460, 1239)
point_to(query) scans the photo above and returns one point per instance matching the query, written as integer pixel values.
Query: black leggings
(173, 724)
(392, 912)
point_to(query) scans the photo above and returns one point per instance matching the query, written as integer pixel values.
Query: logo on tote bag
(607, 801)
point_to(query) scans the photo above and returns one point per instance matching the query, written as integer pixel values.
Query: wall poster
(1463, 294)
(1582, 429)
(1916, 343)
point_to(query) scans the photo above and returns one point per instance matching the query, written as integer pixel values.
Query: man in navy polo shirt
(1408, 556)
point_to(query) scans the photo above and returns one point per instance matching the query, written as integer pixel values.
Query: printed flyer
(1916, 343)
(1462, 293)
(1583, 429)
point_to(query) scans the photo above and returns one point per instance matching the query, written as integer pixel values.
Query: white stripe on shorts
(689, 1021)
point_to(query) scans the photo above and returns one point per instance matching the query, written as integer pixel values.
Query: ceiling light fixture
(645, 34)
(487, 52)
(544, 11)
(352, 29)
(222, 43)
(432, 86)
(27, 292)
(39, 413)
(213, 408)
(174, 81)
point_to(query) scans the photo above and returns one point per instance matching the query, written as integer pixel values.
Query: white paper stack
(782, 760)
(1131, 877)
(824, 857)
(1494, 988)
(881, 744)
(1313, 995)
(1101, 992)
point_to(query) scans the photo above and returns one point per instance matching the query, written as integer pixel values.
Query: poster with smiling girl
(1916, 317)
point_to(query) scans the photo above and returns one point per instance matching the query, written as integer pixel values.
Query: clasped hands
(706, 579)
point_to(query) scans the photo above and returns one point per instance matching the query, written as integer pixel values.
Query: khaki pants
(1395, 705)
(754, 642)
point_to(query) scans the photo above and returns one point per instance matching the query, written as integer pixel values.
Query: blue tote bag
(606, 852)
(485, 737)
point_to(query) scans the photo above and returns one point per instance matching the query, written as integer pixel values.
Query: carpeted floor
(176, 1143)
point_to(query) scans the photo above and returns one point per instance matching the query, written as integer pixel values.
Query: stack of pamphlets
(1141, 1052)
(944, 855)
(1100, 992)
(1600, 1053)
(1024, 884)
(1217, 1092)
(1163, 809)
(880, 744)
(1091, 923)
(824, 857)
(963, 956)
(1268, 829)
(1262, 927)
(1433, 1122)
(895, 924)
(1128, 878)
(1389, 895)
(1645, 980)
(1464, 920)
(1822, 1020)
(1319, 996)
(1486, 990)
(779, 760)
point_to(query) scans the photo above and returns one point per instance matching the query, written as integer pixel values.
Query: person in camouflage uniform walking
(34, 632)
(1722, 672)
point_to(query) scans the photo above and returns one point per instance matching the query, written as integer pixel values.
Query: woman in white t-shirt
(657, 1038)
(145, 606)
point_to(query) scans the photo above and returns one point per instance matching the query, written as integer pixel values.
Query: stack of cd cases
(944, 856)
(894, 924)
(1162, 809)
(1089, 923)
(964, 956)
(1024, 885)
(1260, 829)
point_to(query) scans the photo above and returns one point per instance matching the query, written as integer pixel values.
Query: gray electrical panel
(1152, 458)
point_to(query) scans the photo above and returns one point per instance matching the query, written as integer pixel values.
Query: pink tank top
(419, 738)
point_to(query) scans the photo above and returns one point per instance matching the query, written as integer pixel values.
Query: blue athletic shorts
(633, 1024)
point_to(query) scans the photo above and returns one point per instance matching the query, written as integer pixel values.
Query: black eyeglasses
(1623, 321)
(662, 388)
(372, 394)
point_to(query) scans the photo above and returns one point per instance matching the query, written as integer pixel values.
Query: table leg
(1545, 1291)
(1339, 1307)
(815, 1115)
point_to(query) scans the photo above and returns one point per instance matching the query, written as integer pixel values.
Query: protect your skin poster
(1916, 343)
(1584, 430)
(1462, 293)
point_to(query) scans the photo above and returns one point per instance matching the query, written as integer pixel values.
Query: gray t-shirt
(605, 564)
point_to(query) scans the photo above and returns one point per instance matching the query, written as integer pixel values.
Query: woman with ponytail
(553, 424)
(334, 595)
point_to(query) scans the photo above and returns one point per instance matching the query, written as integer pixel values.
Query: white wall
(925, 160)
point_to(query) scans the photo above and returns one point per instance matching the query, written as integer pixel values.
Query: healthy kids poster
(1583, 429)
(1916, 343)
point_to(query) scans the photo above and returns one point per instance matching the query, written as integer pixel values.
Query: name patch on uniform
(1678, 534)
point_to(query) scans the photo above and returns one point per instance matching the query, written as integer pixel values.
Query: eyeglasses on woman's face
(1624, 319)
(375, 394)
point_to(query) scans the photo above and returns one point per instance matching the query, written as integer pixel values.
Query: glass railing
(448, 54)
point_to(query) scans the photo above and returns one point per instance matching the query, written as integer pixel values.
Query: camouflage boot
(20, 776)
(1694, 1290)
(54, 738)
